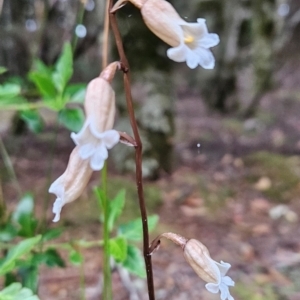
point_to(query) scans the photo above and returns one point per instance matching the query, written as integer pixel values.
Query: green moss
(214, 195)
(254, 292)
(205, 136)
(281, 170)
(266, 117)
(233, 125)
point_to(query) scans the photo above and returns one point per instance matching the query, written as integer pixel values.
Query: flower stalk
(138, 152)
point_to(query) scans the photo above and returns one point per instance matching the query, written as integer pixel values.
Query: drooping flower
(96, 135)
(190, 41)
(70, 185)
(197, 255)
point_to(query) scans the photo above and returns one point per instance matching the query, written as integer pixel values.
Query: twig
(105, 36)
(10, 168)
(138, 152)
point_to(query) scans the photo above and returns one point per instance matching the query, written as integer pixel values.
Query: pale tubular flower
(96, 135)
(70, 185)
(190, 41)
(197, 255)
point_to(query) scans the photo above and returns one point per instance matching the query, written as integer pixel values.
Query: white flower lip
(190, 41)
(93, 145)
(70, 185)
(194, 48)
(224, 281)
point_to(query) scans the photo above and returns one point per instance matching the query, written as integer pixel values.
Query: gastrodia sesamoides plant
(92, 141)
(198, 257)
(190, 42)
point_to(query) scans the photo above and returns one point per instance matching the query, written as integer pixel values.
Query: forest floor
(238, 193)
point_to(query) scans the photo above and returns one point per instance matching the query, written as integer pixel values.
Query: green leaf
(75, 257)
(23, 215)
(134, 262)
(17, 251)
(100, 198)
(13, 101)
(50, 257)
(72, 118)
(118, 248)
(2, 70)
(33, 120)
(28, 226)
(133, 230)
(30, 276)
(41, 68)
(8, 232)
(16, 292)
(44, 85)
(115, 208)
(52, 234)
(10, 94)
(9, 90)
(6, 267)
(75, 93)
(24, 207)
(63, 68)
(10, 278)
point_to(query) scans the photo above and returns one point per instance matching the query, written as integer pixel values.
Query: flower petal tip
(56, 219)
(57, 206)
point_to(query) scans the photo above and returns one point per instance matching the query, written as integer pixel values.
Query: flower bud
(70, 185)
(96, 135)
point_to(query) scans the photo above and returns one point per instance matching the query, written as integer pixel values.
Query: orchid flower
(197, 255)
(70, 185)
(96, 135)
(190, 41)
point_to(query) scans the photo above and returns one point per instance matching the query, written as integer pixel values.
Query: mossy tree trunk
(220, 85)
(263, 33)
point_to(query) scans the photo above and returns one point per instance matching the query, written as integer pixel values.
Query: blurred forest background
(221, 147)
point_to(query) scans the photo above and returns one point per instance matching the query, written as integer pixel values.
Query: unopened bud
(109, 72)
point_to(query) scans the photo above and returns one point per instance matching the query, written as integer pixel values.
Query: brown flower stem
(138, 153)
(174, 237)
